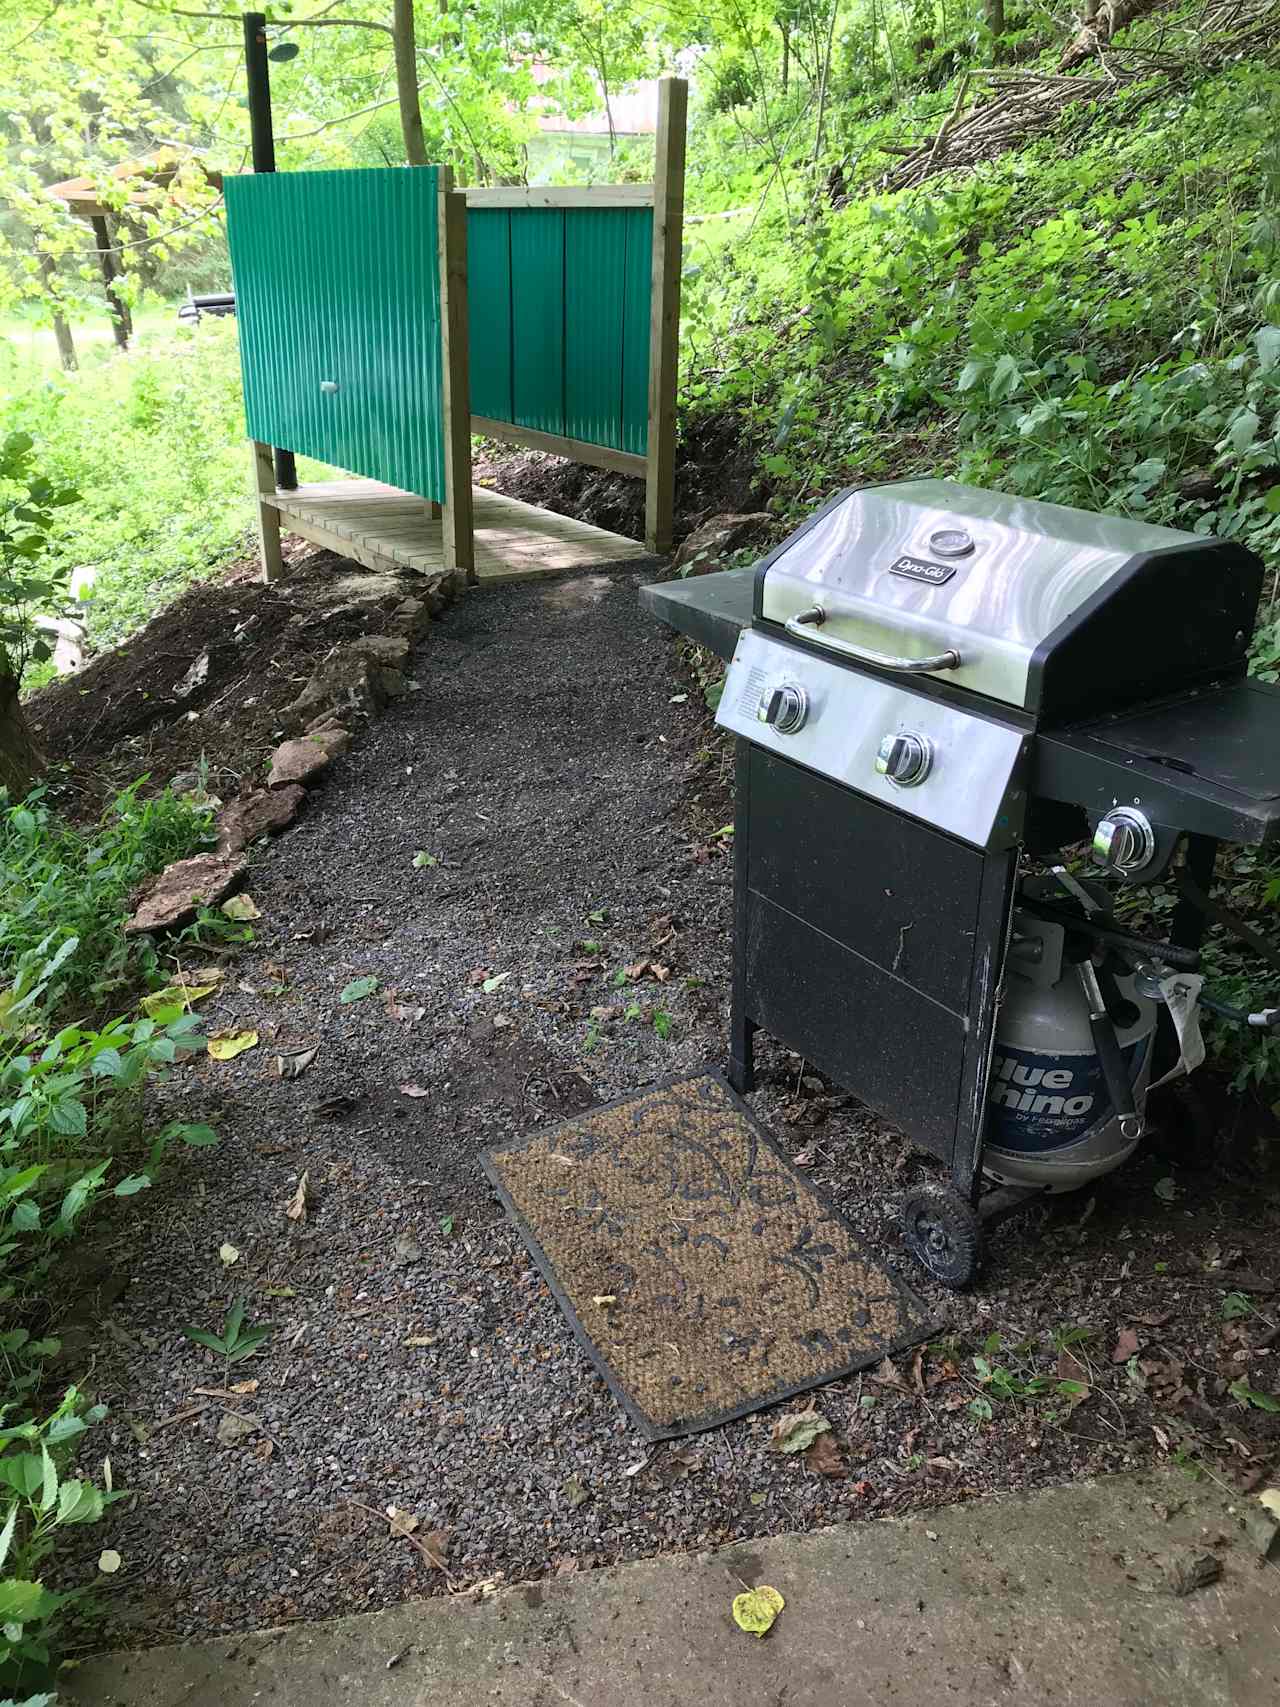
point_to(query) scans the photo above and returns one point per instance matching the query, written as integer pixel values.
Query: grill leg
(1186, 930)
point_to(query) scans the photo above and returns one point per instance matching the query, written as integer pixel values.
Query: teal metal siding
(489, 307)
(636, 293)
(337, 284)
(594, 252)
(537, 318)
(560, 320)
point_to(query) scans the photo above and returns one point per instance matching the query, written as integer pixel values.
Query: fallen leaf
(358, 989)
(797, 1429)
(824, 1456)
(495, 983)
(245, 1387)
(240, 907)
(605, 1299)
(414, 1091)
(423, 861)
(229, 1254)
(402, 1522)
(394, 1008)
(279, 1292)
(1166, 1189)
(109, 1561)
(757, 1499)
(179, 994)
(420, 1339)
(756, 1610)
(295, 1064)
(227, 1047)
(436, 1548)
(1070, 1368)
(574, 1493)
(637, 969)
(235, 1427)
(297, 1209)
(887, 1375)
(1125, 1347)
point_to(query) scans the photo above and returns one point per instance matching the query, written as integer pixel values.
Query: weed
(237, 1340)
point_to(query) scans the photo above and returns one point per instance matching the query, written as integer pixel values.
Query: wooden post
(664, 312)
(455, 377)
(263, 146)
(264, 477)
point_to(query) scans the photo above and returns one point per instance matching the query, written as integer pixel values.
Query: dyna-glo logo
(1030, 1089)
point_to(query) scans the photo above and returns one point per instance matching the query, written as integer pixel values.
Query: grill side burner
(928, 681)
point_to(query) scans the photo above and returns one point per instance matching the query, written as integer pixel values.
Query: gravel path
(556, 763)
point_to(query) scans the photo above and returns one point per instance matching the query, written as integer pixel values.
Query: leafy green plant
(61, 886)
(237, 1340)
(38, 1502)
(28, 586)
(1251, 1398)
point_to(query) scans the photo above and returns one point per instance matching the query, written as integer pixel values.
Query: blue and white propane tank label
(1043, 1102)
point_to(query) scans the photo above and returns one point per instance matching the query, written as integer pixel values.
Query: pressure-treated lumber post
(664, 312)
(455, 378)
(264, 476)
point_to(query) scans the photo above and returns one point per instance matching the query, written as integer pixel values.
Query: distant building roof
(634, 108)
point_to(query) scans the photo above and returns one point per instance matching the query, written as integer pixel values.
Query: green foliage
(237, 1340)
(63, 1097)
(155, 447)
(27, 587)
(64, 892)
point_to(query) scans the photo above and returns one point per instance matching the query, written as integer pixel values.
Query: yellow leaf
(227, 1048)
(756, 1609)
(109, 1562)
(241, 907)
(176, 995)
(1270, 1498)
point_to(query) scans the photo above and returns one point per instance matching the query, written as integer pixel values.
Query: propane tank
(1050, 1119)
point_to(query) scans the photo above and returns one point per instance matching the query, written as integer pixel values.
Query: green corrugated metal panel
(636, 288)
(537, 329)
(489, 307)
(337, 284)
(594, 263)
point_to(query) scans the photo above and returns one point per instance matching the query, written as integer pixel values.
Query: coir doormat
(702, 1272)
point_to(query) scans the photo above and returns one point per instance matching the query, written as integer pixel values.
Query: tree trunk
(61, 325)
(21, 761)
(786, 55)
(415, 148)
(121, 319)
(993, 16)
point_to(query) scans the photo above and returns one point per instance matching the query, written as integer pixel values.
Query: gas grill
(936, 690)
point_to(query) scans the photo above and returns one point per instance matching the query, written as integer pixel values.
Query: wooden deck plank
(377, 525)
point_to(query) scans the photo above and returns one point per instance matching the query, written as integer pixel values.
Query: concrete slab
(1053, 1598)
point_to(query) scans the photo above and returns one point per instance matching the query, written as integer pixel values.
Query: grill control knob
(905, 759)
(785, 707)
(1124, 841)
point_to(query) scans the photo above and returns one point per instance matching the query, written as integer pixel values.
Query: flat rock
(296, 761)
(346, 682)
(173, 897)
(263, 813)
(716, 536)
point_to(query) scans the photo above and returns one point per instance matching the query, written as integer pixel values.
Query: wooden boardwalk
(378, 526)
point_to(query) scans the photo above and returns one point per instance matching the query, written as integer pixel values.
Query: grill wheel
(942, 1232)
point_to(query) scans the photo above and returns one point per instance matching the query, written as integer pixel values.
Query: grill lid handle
(803, 627)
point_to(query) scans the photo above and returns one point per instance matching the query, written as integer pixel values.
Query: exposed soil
(557, 763)
(717, 473)
(129, 712)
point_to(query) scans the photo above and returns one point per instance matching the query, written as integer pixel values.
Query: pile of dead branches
(1000, 109)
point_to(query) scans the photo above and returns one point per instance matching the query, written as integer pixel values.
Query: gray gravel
(557, 762)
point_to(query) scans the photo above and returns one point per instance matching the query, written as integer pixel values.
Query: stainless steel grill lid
(1016, 600)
